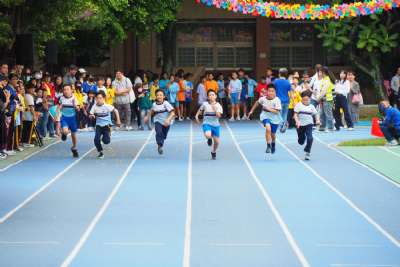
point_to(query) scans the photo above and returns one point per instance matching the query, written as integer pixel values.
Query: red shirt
(261, 89)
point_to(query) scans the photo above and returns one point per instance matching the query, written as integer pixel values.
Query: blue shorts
(215, 130)
(70, 123)
(175, 104)
(274, 127)
(234, 98)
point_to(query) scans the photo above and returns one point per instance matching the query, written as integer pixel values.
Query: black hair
(101, 92)
(67, 84)
(160, 90)
(271, 85)
(100, 78)
(187, 75)
(211, 91)
(155, 77)
(306, 93)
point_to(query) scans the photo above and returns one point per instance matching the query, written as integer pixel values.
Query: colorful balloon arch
(303, 11)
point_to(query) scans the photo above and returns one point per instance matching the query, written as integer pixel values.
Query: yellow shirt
(295, 98)
(110, 95)
(79, 98)
(153, 90)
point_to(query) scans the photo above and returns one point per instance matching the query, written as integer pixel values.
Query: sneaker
(350, 129)
(64, 137)
(232, 119)
(307, 156)
(75, 153)
(52, 136)
(181, 119)
(160, 150)
(10, 152)
(283, 128)
(20, 149)
(90, 129)
(129, 128)
(244, 118)
(238, 118)
(141, 128)
(213, 155)
(3, 155)
(28, 145)
(391, 143)
(101, 155)
(209, 142)
(268, 150)
(273, 148)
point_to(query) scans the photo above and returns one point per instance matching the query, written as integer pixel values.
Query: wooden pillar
(263, 48)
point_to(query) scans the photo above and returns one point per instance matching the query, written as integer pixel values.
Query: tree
(364, 40)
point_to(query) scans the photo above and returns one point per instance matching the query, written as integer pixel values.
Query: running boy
(101, 113)
(211, 111)
(163, 113)
(304, 114)
(68, 106)
(270, 116)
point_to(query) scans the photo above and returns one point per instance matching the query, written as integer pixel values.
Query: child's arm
(256, 104)
(199, 112)
(148, 116)
(296, 119)
(118, 120)
(169, 119)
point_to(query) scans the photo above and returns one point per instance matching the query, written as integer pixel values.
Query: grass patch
(364, 142)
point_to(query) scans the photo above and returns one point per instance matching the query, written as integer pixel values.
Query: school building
(207, 38)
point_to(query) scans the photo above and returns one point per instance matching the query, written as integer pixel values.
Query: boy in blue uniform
(270, 116)
(67, 107)
(211, 111)
(390, 126)
(101, 112)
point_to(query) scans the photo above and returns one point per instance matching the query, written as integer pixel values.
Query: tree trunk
(167, 42)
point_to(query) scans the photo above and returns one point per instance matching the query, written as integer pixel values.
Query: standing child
(295, 98)
(304, 114)
(173, 89)
(235, 89)
(270, 116)
(181, 97)
(154, 86)
(101, 113)
(144, 104)
(89, 103)
(110, 94)
(68, 107)
(163, 113)
(211, 111)
(188, 95)
(222, 93)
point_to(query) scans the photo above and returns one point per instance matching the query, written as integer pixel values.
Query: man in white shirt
(123, 86)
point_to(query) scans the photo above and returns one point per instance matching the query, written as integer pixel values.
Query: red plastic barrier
(375, 129)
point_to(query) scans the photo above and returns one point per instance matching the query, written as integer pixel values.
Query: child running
(211, 111)
(101, 113)
(270, 116)
(304, 114)
(68, 106)
(163, 113)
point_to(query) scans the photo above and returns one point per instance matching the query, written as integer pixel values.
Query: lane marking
(362, 265)
(29, 156)
(71, 256)
(240, 244)
(390, 151)
(135, 244)
(295, 247)
(345, 198)
(188, 223)
(43, 188)
(357, 162)
(349, 245)
(28, 243)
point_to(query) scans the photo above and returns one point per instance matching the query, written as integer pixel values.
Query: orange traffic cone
(375, 129)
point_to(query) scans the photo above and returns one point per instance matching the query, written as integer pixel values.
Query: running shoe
(268, 149)
(75, 153)
(209, 142)
(101, 155)
(232, 119)
(213, 155)
(273, 148)
(28, 145)
(391, 143)
(307, 156)
(64, 137)
(10, 152)
(3, 155)
(160, 150)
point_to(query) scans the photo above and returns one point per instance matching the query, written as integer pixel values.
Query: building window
(292, 44)
(215, 45)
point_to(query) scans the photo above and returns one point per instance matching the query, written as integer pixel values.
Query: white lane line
(71, 256)
(135, 244)
(28, 243)
(349, 245)
(43, 188)
(362, 265)
(357, 162)
(240, 244)
(29, 156)
(345, 198)
(188, 223)
(390, 151)
(271, 205)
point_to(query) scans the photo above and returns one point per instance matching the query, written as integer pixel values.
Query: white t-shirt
(102, 114)
(201, 91)
(275, 103)
(161, 111)
(235, 86)
(342, 88)
(305, 113)
(29, 102)
(210, 113)
(68, 106)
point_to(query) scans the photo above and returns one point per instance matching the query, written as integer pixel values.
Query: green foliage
(335, 34)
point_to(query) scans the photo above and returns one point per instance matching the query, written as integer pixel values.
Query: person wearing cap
(390, 126)
(69, 78)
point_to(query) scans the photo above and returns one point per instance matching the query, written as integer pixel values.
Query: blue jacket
(392, 117)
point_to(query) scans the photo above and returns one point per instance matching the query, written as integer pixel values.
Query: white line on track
(380, 229)
(71, 256)
(240, 244)
(28, 243)
(268, 199)
(135, 244)
(188, 223)
(357, 162)
(29, 156)
(43, 188)
(362, 265)
(390, 151)
(327, 245)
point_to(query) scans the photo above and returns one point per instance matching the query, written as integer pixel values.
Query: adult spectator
(4, 70)
(269, 78)
(201, 91)
(390, 126)
(354, 90)
(326, 100)
(395, 89)
(314, 78)
(123, 86)
(70, 77)
(283, 87)
(342, 90)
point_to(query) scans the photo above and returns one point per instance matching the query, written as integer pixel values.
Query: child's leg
(245, 108)
(301, 135)
(268, 136)
(215, 143)
(97, 139)
(232, 110)
(149, 122)
(237, 110)
(165, 131)
(159, 134)
(106, 138)
(308, 133)
(74, 140)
